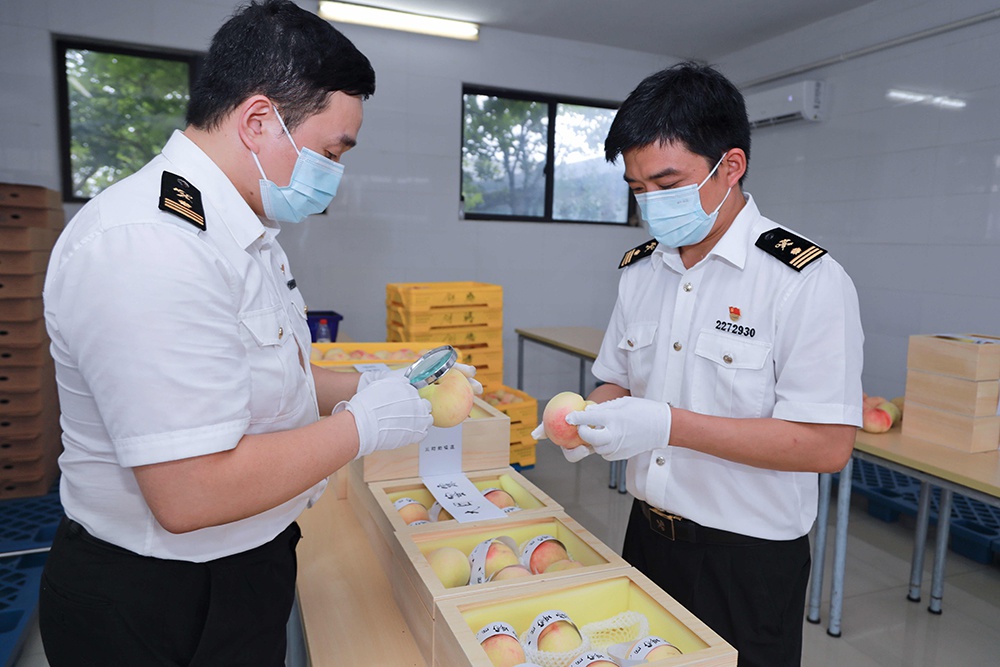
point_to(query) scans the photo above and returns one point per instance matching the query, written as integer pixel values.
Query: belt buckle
(659, 520)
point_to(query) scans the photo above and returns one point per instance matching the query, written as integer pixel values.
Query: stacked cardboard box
(953, 391)
(30, 220)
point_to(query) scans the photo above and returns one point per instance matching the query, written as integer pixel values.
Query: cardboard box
(587, 598)
(956, 355)
(23, 310)
(14, 355)
(944, 392)
(15, 216)
(26, 378)
(414, 576)
(29, 426)
(29, 196)
(23, 334)
(23, 262)
(961, 432)
(14, 286)
(33, 448)
(484, 446)
(27, 238)
(425, 296)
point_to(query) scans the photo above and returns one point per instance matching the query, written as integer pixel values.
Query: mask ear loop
(717, 208)
(289, 134)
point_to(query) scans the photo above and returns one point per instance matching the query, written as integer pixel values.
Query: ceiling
(698, 29)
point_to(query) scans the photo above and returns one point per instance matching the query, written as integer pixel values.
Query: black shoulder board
(179, 197)
(793, 250)
(638, 252)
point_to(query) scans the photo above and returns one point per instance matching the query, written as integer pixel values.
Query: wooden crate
(424, 296)
(414, 575)
(485, 436)
(29, 196)
(16, 216)
(373, 501)
(586, 599)
(24, 262)
(27, 238)
(26, 378)
(944, 392)
(443, 318)
(956, 356)
(16, 286)
(16, 355)
(461, 337)
(968, 434)
(523, 410)
(23, 310)
(23, 334)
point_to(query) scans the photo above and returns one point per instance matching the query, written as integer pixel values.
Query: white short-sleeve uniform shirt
(171, 342)
(740, 334)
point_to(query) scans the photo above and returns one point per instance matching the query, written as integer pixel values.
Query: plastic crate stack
(30, 220)
(468, 316)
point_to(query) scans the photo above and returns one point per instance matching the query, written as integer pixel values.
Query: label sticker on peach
(494, 629)
(592, 658)
(441, 452)
(542, 621)
(461, 499)
(529, 547)
(477, 559)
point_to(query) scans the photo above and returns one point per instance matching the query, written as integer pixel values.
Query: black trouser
(753, 594)
(104, 606)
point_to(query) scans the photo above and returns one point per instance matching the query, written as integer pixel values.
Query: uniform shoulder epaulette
(179, 197)
(643, 250)
(791, 249)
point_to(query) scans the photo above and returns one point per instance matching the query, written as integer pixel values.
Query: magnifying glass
(431, 365)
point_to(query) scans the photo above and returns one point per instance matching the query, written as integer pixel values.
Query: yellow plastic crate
(424, 296)
(523, 409)
(481, 357)
(490, 380)
(521, 431)
(443, 318)
(461, 338)
(395, 353)
(522, 455)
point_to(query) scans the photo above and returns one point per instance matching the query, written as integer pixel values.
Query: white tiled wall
(907, 197)
(397, 215)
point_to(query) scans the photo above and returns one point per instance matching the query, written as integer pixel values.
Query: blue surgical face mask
(313, 185)
(675, 217)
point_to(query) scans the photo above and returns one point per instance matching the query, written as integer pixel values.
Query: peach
(500, 643)
(872, 401)
(554, 419)
(500, 498)
(559, 637)
(438, 513)
(662, 652)
(498, 557)
(564, 564)
(411, 511)
(451, 566)
(450, 397)
(511, 572)
(876, 420)
(892, 409)
(540, 555)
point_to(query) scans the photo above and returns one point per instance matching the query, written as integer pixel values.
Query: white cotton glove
(368, 377)
(624, 427)
(573, 454)
(470, 372)
(388, 414)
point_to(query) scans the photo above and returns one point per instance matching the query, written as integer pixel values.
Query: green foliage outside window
(122, 108)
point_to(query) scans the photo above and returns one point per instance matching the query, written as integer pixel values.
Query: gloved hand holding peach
(554, 425)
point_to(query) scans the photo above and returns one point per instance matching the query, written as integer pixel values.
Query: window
(533, 157)
(118, 106)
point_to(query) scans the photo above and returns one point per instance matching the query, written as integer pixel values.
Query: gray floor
(880, 627)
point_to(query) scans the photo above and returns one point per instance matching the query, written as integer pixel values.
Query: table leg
(840, 549)
(520, 363)
(613, 479)
(919, 542)
(819, 548)
(621, 477)
(940, 551)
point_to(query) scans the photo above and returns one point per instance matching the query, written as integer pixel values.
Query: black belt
(677, 528)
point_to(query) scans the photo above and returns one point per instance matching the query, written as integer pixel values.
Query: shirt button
(282, 268)
(728, 358)
(660, 460)
(688, 287)
(678, 346)
(281, 332)
(305, 309)
(630, 343)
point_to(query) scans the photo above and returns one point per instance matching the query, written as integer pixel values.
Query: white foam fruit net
(624, 627)
(550, 659)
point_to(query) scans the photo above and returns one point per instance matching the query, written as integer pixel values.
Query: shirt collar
(732, 247)
(219, 193)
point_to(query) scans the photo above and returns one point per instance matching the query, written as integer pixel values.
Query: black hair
(276, 48)
(688, 103)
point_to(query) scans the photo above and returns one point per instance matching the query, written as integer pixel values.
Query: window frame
(553, 101)
(60, 45)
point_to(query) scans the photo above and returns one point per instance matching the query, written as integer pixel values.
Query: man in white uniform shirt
(731, 369)
(190, 411)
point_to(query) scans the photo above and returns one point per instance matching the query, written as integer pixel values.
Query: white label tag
(361, 368)
(441, 452)
(543, 620)
(461, 499)
(590, 657)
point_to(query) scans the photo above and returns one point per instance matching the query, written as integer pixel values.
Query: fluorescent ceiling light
(343, 12)
(923, 98)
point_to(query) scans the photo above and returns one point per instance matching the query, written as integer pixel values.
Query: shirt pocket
(638, 346)
(266, 334)
(732, 375)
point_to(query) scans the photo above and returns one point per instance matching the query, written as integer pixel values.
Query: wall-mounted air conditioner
(804, 100)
